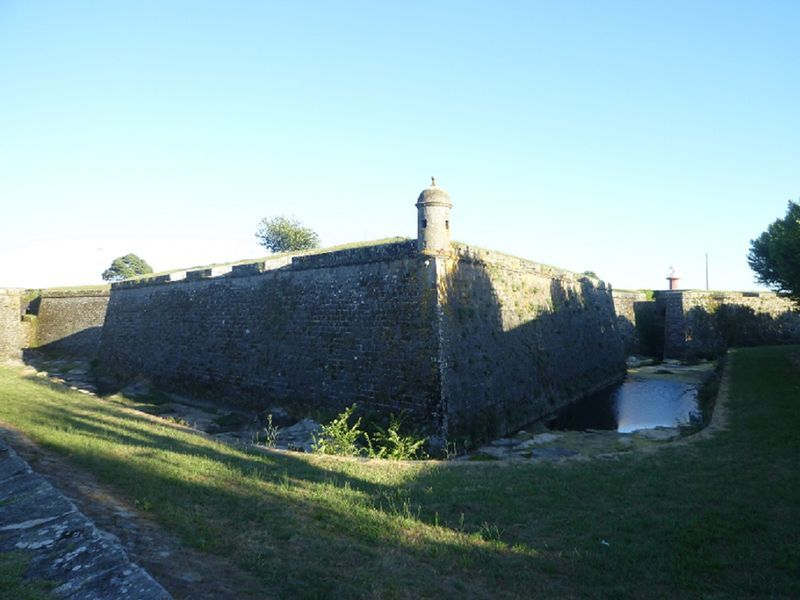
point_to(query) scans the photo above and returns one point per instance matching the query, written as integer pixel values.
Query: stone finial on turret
(433, 220)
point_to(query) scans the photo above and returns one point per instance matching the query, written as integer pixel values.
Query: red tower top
(673, 278)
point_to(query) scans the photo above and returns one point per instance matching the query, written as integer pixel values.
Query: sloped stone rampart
(520, 340)
(451, 341)
(71, 321)
(321, 335)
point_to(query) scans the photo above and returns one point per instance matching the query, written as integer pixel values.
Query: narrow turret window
(447, 224)
(424, 223)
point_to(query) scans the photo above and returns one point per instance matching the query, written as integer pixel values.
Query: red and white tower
(673, 278)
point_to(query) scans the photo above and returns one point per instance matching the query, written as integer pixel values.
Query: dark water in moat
(636, 403)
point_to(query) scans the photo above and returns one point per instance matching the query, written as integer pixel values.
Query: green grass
(719, 517)
(13, 585)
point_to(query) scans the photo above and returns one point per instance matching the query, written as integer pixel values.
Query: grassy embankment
(720, 516)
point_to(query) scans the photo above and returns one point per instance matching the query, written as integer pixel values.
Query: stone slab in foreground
(63, 545)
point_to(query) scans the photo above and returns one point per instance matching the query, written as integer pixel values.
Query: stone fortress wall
(702, 324)
(520, 340)
(629, 306)
(324, 332)
(468, 343)
(10, 324)
(69, 322)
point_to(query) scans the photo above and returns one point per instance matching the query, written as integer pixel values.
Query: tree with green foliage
(126, 266)
(282, 234)
(775, 254)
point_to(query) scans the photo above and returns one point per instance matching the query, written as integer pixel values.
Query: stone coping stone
(77, 293)
(198, 274)
(253, 268)
(475, 255)
(143, 282)
(64, 547)
(360, 255)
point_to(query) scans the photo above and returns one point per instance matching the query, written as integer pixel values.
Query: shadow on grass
(288, 518)
(717, 517)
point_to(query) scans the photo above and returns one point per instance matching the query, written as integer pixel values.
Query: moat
(650, 396)
(651, 406)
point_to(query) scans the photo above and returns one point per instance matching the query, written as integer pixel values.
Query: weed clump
(341, 438)
(390, 443)
(271, 433)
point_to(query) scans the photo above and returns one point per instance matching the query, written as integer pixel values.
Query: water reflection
(636, 403)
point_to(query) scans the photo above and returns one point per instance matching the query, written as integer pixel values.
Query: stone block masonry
(10, 326)
(701, 323)
(625, 304)
(640, 322)
(355, 326)
(470, 345)
(520, 340)
(63, 547)
(70, 322)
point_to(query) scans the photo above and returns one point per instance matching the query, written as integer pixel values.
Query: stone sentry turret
(433, 220)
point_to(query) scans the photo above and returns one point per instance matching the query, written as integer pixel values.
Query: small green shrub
(450, 450)
(390, 443)
(271, 433)
(490, 533)
(339, 437)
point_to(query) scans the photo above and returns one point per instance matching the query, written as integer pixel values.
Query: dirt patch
(184, 572)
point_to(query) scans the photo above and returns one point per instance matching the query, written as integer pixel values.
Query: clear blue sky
(618, 137)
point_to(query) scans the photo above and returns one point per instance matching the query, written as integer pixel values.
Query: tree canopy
(775, 254)
(126, 266)
(282, 234)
